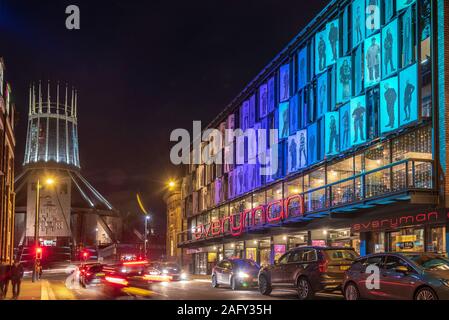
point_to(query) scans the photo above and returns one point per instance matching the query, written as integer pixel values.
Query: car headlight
(183, 276)
(165, 271)
(242, 275)
(445, 282)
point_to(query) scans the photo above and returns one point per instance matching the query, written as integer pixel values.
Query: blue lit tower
(52, 127)
(72, 212)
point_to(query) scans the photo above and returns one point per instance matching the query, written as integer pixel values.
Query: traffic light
(38, 253)
(85, 255)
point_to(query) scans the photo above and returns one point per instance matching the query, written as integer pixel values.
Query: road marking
(46, 291)
(201, 280)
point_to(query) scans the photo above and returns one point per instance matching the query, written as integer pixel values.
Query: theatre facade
(357, 100)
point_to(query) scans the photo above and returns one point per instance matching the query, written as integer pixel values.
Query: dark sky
(142, 69)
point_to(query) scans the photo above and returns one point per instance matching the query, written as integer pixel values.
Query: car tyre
(304, 288)
(264, 286)
(425, 293)
(214, 281)
(351, 292)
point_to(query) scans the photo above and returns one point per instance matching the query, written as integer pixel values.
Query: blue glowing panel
(358, 70)
(320, 52)
(332, 128)
(292, 154)
(358, 22)
(283, 120)
(302, 68)
(263, 101)
(294, 114)
(389, 101)
(344, 80)
(408, 95)
(372, 60)
(284, 83)
(239, 184)
(302, 148)
(345, 120)
(312, 143)
(244, 115)
(388, 10)
(321, 139)
(358, 120)
(373, 14)
(402, 4)
(390, 48)
(252, 111)
(322, 95)
(271, 95)
(407, 38)
(333, 39)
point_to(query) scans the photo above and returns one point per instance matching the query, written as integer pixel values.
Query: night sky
(142, 69)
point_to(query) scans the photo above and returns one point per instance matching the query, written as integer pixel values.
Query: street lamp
(147, 218)
(171, 184)
(49, 182)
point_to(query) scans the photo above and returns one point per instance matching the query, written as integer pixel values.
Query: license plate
(344, 268)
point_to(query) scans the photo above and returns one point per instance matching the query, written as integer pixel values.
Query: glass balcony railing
(401, 176)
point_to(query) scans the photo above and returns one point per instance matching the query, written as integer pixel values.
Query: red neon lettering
(245, 215)
(198, 233)
(262, 214)
(279, 216)
(290, 199)
(216, 228)
(236, 231)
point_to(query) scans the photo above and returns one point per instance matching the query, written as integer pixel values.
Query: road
(60, 287)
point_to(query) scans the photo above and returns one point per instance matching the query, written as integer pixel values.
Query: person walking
(16, 278)
(4, 279)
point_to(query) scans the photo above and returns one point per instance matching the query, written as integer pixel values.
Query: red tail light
(322, 266)
(115, 280)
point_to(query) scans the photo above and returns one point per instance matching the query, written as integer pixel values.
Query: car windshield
(430, 261)
(171, 266)
(341, 254)
(246, 264)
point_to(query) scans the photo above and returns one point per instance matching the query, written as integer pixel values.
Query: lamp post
(147, 218)
(48, 181)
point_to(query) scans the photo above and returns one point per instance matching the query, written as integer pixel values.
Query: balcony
(391, 183)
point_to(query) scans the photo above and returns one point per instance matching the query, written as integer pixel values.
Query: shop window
(414, 145)
(341, 170)
(274, 193)
(378, 239)
(407, 240)
(294, 187)
(259, 199)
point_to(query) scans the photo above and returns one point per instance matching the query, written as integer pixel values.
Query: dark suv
(309, 270)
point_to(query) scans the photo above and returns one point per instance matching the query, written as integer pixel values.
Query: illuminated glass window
(274, 193)
(340, 170)
(377, 156)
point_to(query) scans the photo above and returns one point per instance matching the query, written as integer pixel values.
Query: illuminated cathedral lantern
(72, 213)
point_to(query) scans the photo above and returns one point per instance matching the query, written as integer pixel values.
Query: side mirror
(402, 269)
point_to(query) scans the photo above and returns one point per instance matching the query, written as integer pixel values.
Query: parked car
(309, 270)
(90, 274)
(236, 273)
(404, 276)
(168, 270)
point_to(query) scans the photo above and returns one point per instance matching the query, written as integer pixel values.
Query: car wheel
(351, 292)
(234, 284)
(304, 288)
(264, 286)
(214, 281)
(426, 293)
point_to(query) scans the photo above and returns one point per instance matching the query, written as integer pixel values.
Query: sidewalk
(28, 290)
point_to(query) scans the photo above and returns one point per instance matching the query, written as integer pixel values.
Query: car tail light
(116, 280)
(88, 273)
(322, 266)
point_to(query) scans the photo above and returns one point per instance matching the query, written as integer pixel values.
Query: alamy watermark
(213, 146)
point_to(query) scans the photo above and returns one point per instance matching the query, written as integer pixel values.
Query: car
(236, 273)
(309, 270)
(130, 278)
(401, 276)
(90, 274)
(167, 271)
